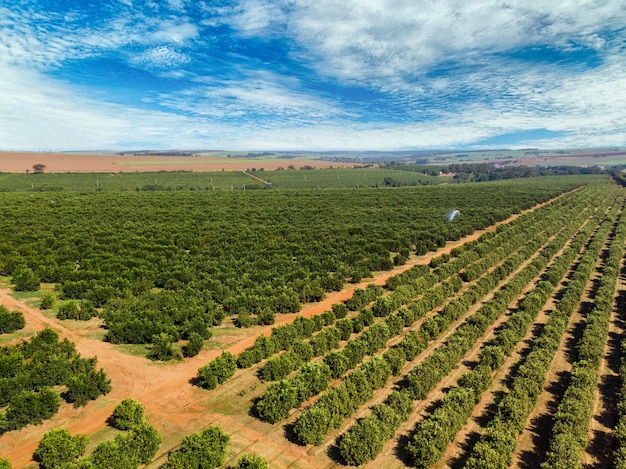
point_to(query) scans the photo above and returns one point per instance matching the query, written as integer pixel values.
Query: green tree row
(310, 427)
(571, 423)
(496, 446)
(437, 431)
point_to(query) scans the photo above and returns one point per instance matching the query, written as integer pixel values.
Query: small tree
(58, 448)
(47, 301)
(86, 386)
(217, 371)
(205, 450)
(252, 461)
(39, 168)
(10, 321)
(194, 345)
(128, 414)
(25, 279)
(163, 348)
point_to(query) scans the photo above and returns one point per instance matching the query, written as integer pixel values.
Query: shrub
(217, 371)
(58, 448)
(163, 348)
(10, 321)
(204, 450)
(25, 280)
(194, 346)
(47, 301)
(252, 461)
(128, 414)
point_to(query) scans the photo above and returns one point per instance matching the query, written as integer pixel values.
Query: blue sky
(311, 74)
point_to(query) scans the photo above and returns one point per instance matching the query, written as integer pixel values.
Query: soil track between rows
(173, 405)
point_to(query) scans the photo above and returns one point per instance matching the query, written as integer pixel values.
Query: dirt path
(257, 178)
(172, 404)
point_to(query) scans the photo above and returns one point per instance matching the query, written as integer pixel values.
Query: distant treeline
(479, 172)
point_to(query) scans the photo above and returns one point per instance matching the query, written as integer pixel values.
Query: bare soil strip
(257, 178)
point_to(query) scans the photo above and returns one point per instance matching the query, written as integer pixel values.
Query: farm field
(22, 162)
(254, 179)
(344, 326)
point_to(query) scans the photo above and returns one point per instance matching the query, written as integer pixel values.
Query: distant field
(213, 180)
(22, 162)
(585, 157)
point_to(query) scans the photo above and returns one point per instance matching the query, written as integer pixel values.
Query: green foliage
(47, 301)
(31, 407)
(163, 348)
(25, 279)
(496, 446)
(127, 450)
(203, 450)
(86, 386)
(58, 448)
(31, 371)
(340, 310)
(5, 464)
(289, 393)
(194, 346)
(10, 321)
(177, 262)
(82, 311)
(363, 443)
(252, 461)
(128, 414)
(217, 371)
(136, 447)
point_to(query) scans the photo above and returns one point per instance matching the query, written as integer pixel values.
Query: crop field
(23, 162)
(255, 178)
(322, 323)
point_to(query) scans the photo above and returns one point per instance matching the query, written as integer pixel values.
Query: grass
(137, 350)
(6, 338)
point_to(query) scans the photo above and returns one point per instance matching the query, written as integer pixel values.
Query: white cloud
(160, 57)
(373, 40)
(171, 32)
(45, 41)
(253, 17)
